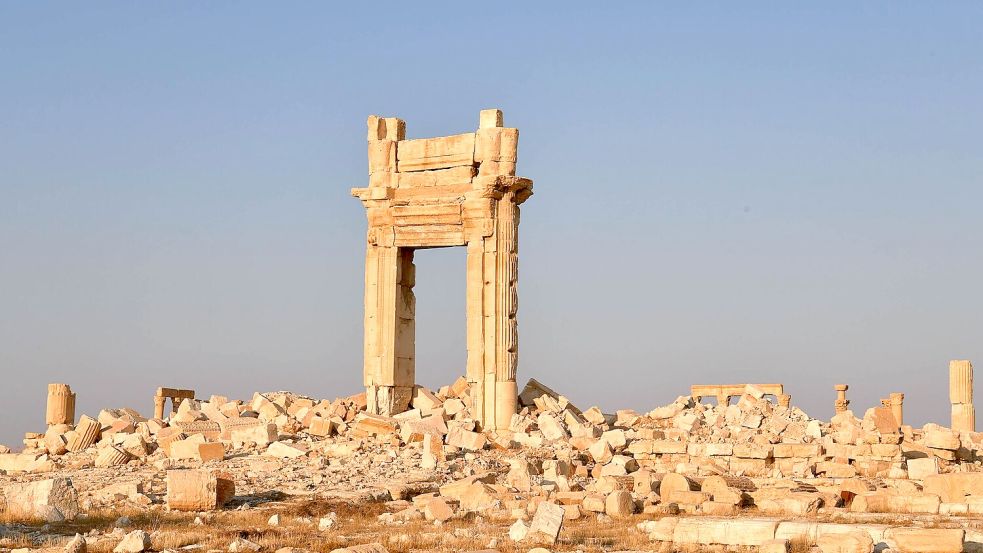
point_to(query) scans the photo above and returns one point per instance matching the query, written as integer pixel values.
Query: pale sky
(725, 193)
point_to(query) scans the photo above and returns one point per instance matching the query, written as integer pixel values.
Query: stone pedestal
(61, 405)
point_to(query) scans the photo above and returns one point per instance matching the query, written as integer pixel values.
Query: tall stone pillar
(961, 396)
(390, 329)
(61, 405)
(842, 403)
(896, 401)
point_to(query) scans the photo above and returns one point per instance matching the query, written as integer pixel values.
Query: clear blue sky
(724, 193)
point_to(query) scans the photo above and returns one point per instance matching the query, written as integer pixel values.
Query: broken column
(896, 401)
(61, 405)
(841, 403)
(961, 395)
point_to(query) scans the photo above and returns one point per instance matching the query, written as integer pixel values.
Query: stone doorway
(449, 191)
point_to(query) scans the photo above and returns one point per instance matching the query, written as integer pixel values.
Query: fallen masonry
(748, 473)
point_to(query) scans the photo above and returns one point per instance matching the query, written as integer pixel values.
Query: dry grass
(356, 523)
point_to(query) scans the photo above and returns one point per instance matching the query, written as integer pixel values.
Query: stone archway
(448, 191)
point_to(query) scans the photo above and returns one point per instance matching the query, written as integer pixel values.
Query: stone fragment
(364, 548)
(438, 509)
(547, 521)
(85, 434)
(619, 504)
(242, 545)
(76, 545)
(52, 500)
(518, 531)
(284, 451)
(136, 541)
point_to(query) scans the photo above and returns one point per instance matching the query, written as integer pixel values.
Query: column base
(388, 400)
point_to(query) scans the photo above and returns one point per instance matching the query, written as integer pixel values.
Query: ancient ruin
(842, 403)
(724, 392)
(448, 191)
(961, 396)
(175, 395)
(61, 405)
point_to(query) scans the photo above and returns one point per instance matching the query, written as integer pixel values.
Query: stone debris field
(285, 471)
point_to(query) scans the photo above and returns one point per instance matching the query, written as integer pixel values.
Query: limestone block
(197, 490)
(547, 522)
(663, 530)
(667, 446)
(938, 437)
(136, 541)
(853, 542)
(86, 433)
(919, 469)
(724, 531)
(796, 450)
(52, 500)
(752, 451)
(954, 487)
(458, 437)
(490, 118)
(925, 540)
(551, 428)
(879, 502)
(477, 497)
(775, 546)
(438, 509)
(112, 457)
(619, 503)
(435, 153)
(320, 427)
(798, 504)
(285, 451)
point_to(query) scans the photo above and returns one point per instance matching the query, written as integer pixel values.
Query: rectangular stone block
(435, 153)
(198, 490)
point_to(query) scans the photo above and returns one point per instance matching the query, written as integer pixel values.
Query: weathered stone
(136, 541)
(197, 490)
(53, 500)
(547, 521)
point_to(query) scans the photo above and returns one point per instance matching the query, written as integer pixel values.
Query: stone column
(896, 401)
(961, 396)
(390, 329)
(841, 403)
(492, 331)
(784, 400)
(61, 405)
(159, 403)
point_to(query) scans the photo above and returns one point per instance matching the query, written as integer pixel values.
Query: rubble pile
(754, 459)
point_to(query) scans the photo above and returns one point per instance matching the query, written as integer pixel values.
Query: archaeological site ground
(491, 462)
